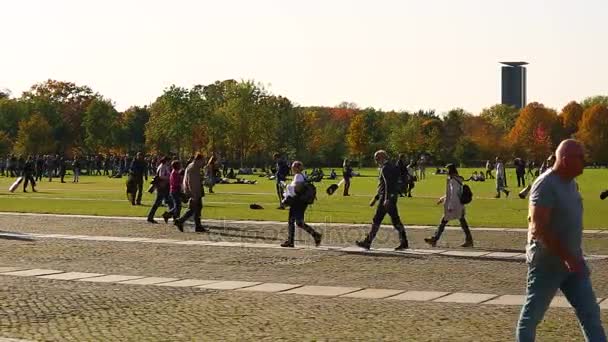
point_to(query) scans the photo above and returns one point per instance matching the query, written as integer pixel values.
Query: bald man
(388, 192)
(554, 253)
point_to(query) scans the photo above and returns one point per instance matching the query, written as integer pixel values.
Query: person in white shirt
(453, 209)
(297, 207)
(501, 178)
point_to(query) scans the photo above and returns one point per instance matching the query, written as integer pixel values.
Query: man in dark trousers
(403, 176)
(138, 169)
(28, 174)
(280, 177)
(347, 173)
(388, 193)
(520, 172)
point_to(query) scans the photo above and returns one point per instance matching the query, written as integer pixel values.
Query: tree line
(245, 123)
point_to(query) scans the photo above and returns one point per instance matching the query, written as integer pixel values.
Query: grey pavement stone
(70, 276)
(148, 281)
(194, 243)
(469, 254)
(373, 293)
(187, 283)
(32, 273)
(226, 244)
(463, 297)
(329, 291)
(507, 300)
(4, 269)
(559, 302)
(170, 241)
(271, 287)
(501, 255)
(228, 285)
(111, 278)
(419, 296)
(427, 251)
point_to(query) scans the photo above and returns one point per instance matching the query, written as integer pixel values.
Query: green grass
(105, 196)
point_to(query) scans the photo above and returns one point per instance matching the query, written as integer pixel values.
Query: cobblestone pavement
(39, 309)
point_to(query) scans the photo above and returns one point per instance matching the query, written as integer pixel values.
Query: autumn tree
(570, 117)
(593, 133)
(536, 132)
(35, 136)
(6, 143)
(63, 105)
(356, 137)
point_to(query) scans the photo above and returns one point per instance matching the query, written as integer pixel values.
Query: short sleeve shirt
(566, 221)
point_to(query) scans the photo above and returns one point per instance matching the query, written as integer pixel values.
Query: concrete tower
(514, 84)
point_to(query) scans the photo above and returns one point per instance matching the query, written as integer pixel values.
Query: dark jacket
(138, 168)
(388, 181)
(282, 170)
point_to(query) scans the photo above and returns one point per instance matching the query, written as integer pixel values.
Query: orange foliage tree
(570, 117)
(593, 133)
(536, 132)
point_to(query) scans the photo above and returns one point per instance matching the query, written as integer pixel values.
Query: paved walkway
(282, 224)
(353, 249)
(283, 288)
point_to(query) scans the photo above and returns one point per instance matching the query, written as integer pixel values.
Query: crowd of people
(554, 253)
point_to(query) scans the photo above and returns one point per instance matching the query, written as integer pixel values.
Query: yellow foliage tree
(35, 136)
(356, 139)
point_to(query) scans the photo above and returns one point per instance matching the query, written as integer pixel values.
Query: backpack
(309, 193)
(467, 195)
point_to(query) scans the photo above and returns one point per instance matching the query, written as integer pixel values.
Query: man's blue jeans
(543, 283)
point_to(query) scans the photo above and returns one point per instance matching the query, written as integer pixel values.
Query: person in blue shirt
(554, 250)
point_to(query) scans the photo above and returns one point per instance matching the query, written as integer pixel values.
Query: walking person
(453, 209)
(210, 172)
(76, 165)
(161, 182)
(489, 168)
(387, 196)
(193, 187)
(520, 172)
(501, 178)
(282, 170)
(175, 192)
(347, 173)
(138, 170)
(61, 167)
(411, 178)
(28, 174)
(403, 175)
(297, 207)
(554, 253)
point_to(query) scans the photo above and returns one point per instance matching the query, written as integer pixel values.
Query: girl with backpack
(293, 197)
(453, 208)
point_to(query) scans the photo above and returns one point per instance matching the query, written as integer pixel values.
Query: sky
(386, 54)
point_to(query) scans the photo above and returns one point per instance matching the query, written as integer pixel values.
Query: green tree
(35, 136)
(133, 123)
(594, 100)
(6, 143)
(101, 126)
(501, 116)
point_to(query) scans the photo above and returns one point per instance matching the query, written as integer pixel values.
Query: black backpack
(309, 193)
(467, 195)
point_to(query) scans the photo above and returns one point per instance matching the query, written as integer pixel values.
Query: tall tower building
(514, 84)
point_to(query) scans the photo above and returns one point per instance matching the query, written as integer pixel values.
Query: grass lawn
(97, 195)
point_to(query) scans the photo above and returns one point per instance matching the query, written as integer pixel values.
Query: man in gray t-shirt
(554, 253)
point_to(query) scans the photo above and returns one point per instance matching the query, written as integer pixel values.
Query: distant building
(514, 84)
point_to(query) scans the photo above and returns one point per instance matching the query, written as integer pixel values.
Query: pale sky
(388, 54)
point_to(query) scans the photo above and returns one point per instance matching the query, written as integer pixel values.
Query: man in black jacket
(28, 174)
(388, 193)
(138, 170)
